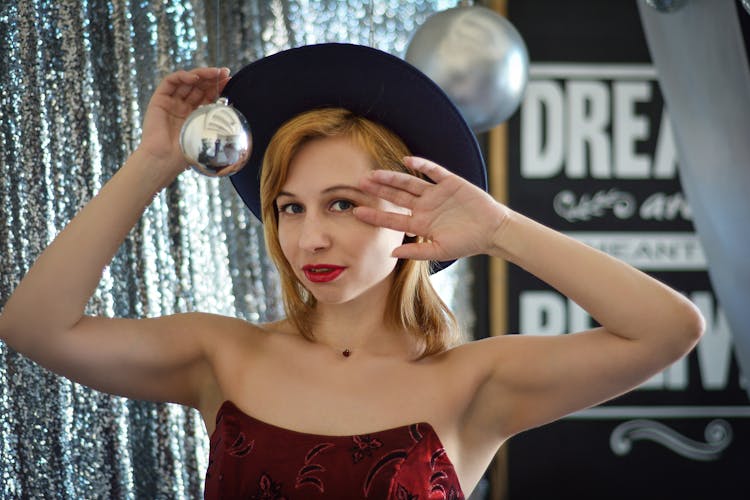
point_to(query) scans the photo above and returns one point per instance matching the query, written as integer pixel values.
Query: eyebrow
(338, 187)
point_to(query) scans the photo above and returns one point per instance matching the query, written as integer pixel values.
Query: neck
(360, 327)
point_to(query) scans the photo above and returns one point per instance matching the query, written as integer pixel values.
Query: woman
(361, 392)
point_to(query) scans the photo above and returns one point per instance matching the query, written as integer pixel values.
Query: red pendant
(347, 353)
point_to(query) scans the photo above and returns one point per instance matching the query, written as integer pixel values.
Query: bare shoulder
(213, 321)
(495, 370)
(501, 355)
(467, 371)
(229, 341)
(232, 347)
(478, 358)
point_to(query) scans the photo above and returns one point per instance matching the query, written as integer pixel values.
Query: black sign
(592, 155)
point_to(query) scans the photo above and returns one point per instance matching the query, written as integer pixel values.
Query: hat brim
(369, 82)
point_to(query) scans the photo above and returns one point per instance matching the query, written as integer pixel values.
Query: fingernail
(225, 71)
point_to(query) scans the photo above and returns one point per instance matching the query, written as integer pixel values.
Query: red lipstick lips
(322, 273)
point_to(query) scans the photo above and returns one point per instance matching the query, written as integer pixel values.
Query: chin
(336, 292)
(333, 298)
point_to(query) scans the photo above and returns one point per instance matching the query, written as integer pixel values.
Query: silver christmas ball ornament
(478, 58)
(215, 139)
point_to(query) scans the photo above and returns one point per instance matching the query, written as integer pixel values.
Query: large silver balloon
(478, 58)
(215, 139)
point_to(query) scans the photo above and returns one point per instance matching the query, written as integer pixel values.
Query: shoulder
(233, 347)
(506, 364)
(479, 357)
(492, 356)
(218, 331)
(220, 338)
(236, 342)
(218, 324)
(208, 326)
(466, 370)
(483, 368)
(466, 375)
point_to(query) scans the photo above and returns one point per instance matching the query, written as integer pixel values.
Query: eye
(342, 205)
(290, 208)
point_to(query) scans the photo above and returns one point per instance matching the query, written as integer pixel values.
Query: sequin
(75, 78)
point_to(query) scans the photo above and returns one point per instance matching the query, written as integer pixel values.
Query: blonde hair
(413, 304)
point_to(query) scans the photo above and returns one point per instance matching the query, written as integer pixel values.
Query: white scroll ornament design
(718, 435)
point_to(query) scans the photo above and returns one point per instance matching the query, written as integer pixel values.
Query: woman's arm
(645, 326)
(527, 380)
(44, 317)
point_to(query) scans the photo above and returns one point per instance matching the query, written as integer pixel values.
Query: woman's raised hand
(455, 217)
(174, 99)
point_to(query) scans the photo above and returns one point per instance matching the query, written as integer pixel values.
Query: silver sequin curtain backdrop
(75, 77)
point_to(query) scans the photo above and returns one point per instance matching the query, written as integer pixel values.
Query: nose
(314, 235)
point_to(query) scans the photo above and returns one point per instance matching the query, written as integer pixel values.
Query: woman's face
(334, 255)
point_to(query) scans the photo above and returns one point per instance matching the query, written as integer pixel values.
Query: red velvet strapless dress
(251, 459)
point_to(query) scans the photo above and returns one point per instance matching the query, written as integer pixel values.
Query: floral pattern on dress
(252, 459)
(426, 473)
(363, 447)
(404, 494)
(305, 475)
(268, 489)
(241, 446)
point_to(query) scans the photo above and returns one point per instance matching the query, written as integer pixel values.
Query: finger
(222, 83)
(388, 193)
(406, 182)
(211, 88)
(175, 83)
(427, 167)
(390, 220)
(209, 73)
(415, 251)
(183, 91)
(196, 96)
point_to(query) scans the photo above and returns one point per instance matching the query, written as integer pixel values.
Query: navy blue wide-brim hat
(370, 83)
